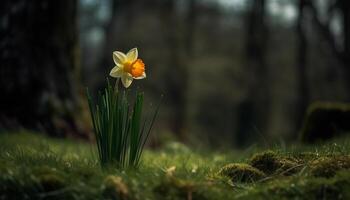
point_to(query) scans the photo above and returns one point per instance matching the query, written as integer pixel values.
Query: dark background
(232, 72)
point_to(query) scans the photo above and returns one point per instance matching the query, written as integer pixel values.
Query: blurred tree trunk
(303, 95)
(121, 13)
(256, 106)
(39, 57)
(345, 8)
(177, 81)
(190, 29)
(123, 7)
(342, 54)
(118, 5)
(323, 28)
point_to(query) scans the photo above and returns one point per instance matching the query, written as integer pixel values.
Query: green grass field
(33, 166)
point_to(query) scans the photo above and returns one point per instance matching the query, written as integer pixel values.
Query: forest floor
(33, 166)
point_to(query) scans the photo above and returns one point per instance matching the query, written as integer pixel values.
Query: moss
(49, 178)
(288, 167)
(301, 188)
(51, 182)
(74, 164)
(6, 167)
(270, 162)
(325, 120)
(328, 166)
(176, 148)
(303, 157)
(240, 172)
(114, 188)
(85, 173)
(267, 162)
(176, 188)
(309, 189)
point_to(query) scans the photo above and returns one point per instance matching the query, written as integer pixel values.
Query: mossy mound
(267, 162)
(49, 178)
(36, 183)
(337, 187)
(304, 157)
(176, 188)
(270, 162)
(325, 120)
(51, 182)
(240, 172)
(328, 166)
(114, 188)
(61, 169)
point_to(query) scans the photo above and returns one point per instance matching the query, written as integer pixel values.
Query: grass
(119, 129)
(33, 166)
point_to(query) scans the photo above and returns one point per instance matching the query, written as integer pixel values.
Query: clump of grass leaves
(120, 131)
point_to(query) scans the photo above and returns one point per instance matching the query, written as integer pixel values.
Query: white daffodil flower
(128, 67)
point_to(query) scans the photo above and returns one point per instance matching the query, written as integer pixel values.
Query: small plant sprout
(119, 129)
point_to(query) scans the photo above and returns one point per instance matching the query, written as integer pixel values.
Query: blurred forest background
(233, 72)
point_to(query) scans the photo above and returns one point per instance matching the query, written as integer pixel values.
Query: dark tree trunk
(39, 58)
(256, 106)
(121, 10)
(118, 5)
(178, 80)
(303, 94)
(190, 29)
(343, 55)
(345, 8)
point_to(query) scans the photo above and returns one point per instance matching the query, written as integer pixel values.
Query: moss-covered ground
(33, 166)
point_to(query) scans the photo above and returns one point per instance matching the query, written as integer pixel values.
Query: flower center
(136, 68)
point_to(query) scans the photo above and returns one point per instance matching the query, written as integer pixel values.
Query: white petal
(142, 76)
(119, 57)
(116, 72)
(119, 65)
(132, 55)
(126, 79)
